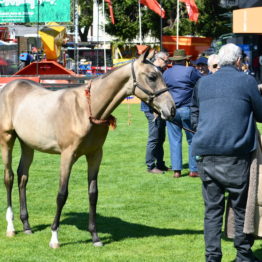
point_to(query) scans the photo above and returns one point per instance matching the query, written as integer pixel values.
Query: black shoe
(255, 260)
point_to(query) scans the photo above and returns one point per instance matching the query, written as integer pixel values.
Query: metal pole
(76, 55)
(177, 24)
(104, 27)
(140, 23)
(161, 25)
(97, 59)
(37, 38)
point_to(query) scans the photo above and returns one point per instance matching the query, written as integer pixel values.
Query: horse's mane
(113, 70)
(116, 68)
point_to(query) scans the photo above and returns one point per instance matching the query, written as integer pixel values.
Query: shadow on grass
(119, 229)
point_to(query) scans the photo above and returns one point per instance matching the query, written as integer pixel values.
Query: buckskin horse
(71, 122)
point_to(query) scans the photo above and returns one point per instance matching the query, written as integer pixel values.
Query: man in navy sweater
(224, 111)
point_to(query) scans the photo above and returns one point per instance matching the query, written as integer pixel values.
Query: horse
(72, 122)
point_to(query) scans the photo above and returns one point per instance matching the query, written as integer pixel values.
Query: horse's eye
(152, 77)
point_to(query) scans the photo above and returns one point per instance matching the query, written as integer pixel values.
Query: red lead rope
(110, 121)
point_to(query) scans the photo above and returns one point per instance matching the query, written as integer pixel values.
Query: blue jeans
(175, 139)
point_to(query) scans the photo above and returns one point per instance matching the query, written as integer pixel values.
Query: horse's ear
(151, 54)
(144, 56)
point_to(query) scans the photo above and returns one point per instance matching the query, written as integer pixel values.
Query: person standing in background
(201, 65)
(181, 79)
(156, 128)
(212, 63)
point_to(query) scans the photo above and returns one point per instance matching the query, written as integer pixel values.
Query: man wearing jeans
(181, 80)
(225, 106)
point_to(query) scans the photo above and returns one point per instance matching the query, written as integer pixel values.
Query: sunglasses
(165, 61)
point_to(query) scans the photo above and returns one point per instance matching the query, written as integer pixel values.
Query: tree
(212, 20)
(85, 17)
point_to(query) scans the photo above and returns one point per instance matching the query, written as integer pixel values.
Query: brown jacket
(253, 217)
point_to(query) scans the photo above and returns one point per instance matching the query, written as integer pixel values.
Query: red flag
(111, 11)
(154, 6)
(192, 9)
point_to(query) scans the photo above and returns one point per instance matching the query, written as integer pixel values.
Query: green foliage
(85, 12)
(126, 20)
(140, 217)
(85, 18)
(212, 20)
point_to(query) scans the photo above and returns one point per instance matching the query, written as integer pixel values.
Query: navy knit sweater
(224, 108)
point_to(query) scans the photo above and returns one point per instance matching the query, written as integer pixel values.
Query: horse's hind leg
(27, 155)
(93, 167)
(7, 142)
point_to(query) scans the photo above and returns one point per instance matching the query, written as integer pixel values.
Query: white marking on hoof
(54, 243)
(98, 244)
(10, 233)
(28, 232)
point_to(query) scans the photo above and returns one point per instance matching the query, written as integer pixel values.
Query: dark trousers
(156, 138)
(220, 174)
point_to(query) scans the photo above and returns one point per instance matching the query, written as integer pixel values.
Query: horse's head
(149, 86)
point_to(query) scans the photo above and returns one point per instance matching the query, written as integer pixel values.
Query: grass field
(141, 216)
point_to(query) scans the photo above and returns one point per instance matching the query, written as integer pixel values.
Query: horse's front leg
(93, 167)
(27, 155)
(66, 163)
(7, 143)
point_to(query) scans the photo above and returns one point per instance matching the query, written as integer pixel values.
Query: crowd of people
(181, 78)
(217, 104)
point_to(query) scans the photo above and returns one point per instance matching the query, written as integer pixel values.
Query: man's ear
(239, 63)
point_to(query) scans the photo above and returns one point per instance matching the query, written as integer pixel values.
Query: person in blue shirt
(181, 79)
(225, 108)
(156, 128)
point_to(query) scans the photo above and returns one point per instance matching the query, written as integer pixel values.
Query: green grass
(141, 216)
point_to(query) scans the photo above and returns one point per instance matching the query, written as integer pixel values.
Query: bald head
(212, 63)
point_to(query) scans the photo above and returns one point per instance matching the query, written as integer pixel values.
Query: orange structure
(52, 37)
(193, 45)
(247, 20)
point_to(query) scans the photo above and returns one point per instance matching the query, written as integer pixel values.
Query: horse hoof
(54, 245)
(28, 232)
(10, 233)
(98, 244)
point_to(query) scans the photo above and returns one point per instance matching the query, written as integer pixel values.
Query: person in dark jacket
(156, 128)
(181, 80)
(224, 111)
(201, 65)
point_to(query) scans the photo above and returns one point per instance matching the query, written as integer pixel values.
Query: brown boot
(193, 174)
(177, 173)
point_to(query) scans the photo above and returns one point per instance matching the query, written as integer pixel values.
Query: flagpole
(177, 24)
(104, 29)
(140, 23)
(76, 54)
(161, 24)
